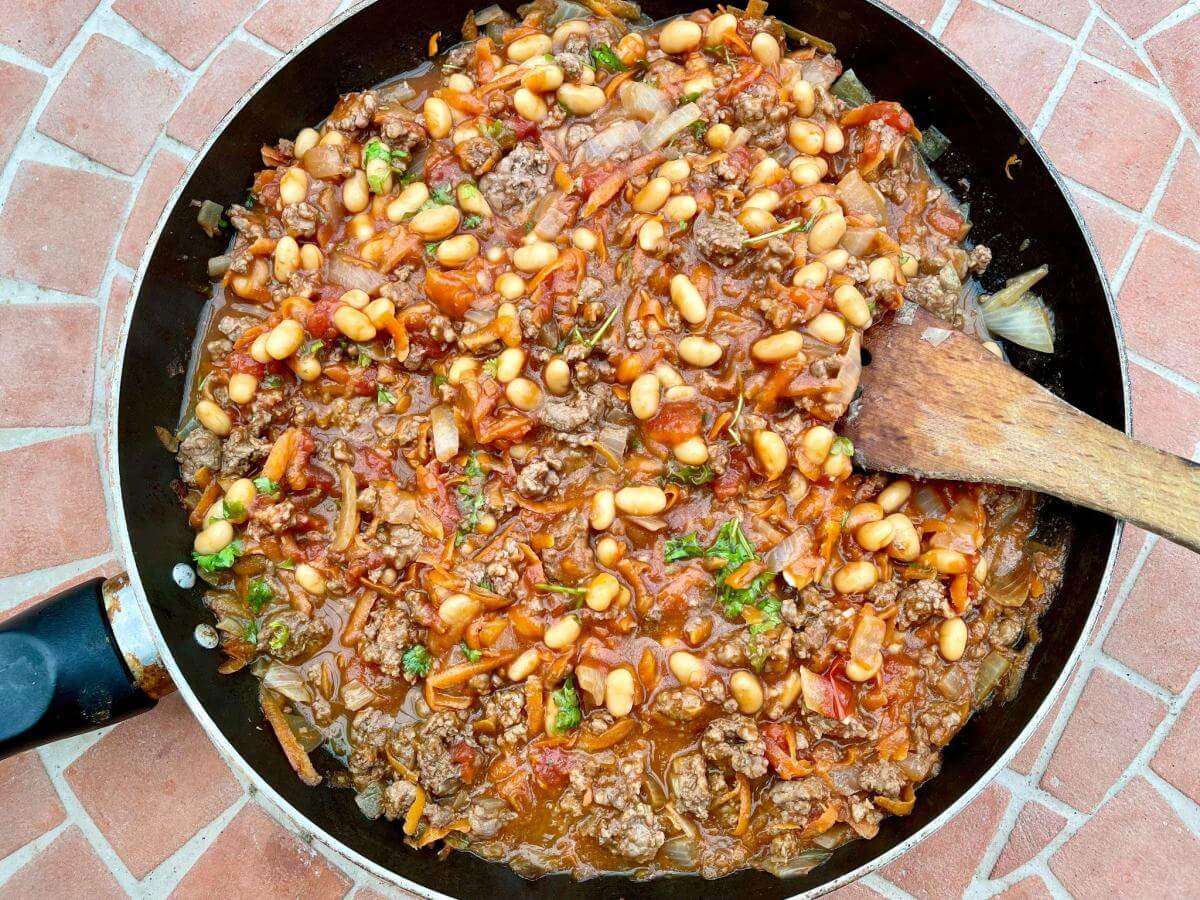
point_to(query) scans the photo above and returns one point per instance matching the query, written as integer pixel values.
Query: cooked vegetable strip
(515, 467)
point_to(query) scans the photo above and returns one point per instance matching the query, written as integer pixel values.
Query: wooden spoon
(936, 404)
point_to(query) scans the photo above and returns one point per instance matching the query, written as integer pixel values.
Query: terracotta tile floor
(1103, 801)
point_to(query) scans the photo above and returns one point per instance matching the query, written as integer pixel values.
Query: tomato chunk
(674, 422)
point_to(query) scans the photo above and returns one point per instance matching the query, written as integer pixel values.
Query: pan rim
(298, 819)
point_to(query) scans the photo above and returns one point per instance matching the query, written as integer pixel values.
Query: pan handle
(76, 662)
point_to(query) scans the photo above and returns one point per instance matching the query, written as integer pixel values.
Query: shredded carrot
(466, 671)
(413, 816)
(643, 599)
(499, 84)
(533, 703)
(211, 492)
(571, 254)
(821, 823)
(433, 43)
(296, 755)
(562, 178)
(609, 738)
(616, 81)
(358, 618)
(744, 798)
(280, 455)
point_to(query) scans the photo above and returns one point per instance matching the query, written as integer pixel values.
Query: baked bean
(641, 500)
(524, 665)
(510, 285)
(756, 221)
(803, 96)
(836, 260)
(618, 692)
(860, 670)
(764, 199)
(240, 497)
(851, 304)
(557, 376)
(651, 235)
(945, 561)
(806, 136)
(651, 197)
(457, 251)
(286, 258)
(311, 257)
(213, 539)
(680, 36)
(529, 46)
(353, 323)
(356, 193)
(436, 223)
(765, 173)
(581, 99)
(881, 269)
(310, 579)
(861, 513)
(458, 610)
(603, 510)
(778, 347)
(906, 543)
(747, 691)
(826, 232)
(806, 170)
(718, 136)
(305, 141)
(609, 551)
(687, 299)
(875, 535)
(699, 351)
(720, 28)
(771, 453)
(535, 257)
(644, 395)
(687, 667)
(675, 170)
(680, 208)
(543, 79)
(811, 276)
(529, 106)
(562, 633)
(585, 239)
(412, 198)
(460, 83)
(258, 349)
(952, 639)
(816, 443)
(242, 387)
(523, 394)
(214, 418)
(828, 327)
(765, 49)
(835, 140)
(856, 577)
(602, 591)
(509, 364)
(894, 496)
(691, 452)
(293, 186)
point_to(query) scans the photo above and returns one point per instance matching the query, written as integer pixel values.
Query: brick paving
(1104, 800)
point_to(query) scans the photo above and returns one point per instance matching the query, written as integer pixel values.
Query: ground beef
(353, 112)
(679, 704)
(478, 155)
(776, 255)
(275, 518)
(577, 417)
(571, 556)
(979, 258)
(750, 107)
(387, 634)
(233, 327)
(200, 449)
(928, 291)
(397, 798)
(814, 619)
(918, 601)
(242, 451)
(882, 778)
(403, 545)
(719, 237)
(632, 833)
(537, 479)
(438, 771)
(689, 785)
(574, 57)
(518, 179)
(301, 219)
(290, 635)
(851, 728)
(487, 816)
(402, 133)
(797, 801)
(734, 742)
(507, 709)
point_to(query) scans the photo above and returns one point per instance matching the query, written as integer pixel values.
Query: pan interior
(1027, 221)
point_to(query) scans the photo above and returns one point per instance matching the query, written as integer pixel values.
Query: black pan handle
(76, 662)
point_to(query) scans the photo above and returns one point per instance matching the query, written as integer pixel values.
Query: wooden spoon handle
(1093, 465)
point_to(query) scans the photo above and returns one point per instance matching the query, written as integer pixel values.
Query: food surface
(514, 461)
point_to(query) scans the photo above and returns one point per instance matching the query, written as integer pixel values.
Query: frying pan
(67, 666)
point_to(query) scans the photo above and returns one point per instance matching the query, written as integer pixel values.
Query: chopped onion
(398, 91)
(681, 851)
(346, 526)
(1009, 586)
(445, 432)
(802, 863)
(564, 11)
(1016, 287)
(344, 272)
(557, 214)
(797, 546)
(608, 142)
(209, 217)
(356, 695)
(653, 524)
(644, 102)
(659, 132)
(614, 438)
(307, 735)
(219, 265)
(857, 241)
(741, 135)
(859, 197)
(1026, 321)
(591, 679)
(930, 503)
(287, 680)
(370, 800)
(324, 161)
(494, 13)
(991, 670)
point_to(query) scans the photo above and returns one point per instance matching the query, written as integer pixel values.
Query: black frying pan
(59, 666)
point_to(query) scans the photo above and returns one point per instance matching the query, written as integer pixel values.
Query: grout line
(16, 860)
(938, 25)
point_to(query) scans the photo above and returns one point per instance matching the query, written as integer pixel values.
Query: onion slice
(444, 429)
(662, 130)
(1025, 321)
(347, 518)
(604, 145)
(644, 102)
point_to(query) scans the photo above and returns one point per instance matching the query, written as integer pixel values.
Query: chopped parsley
(681, 548)
(498, 131)
(699, 129)
(441, 196)
(689, 98)
(377, 163)
(364, 359)
(279, 634)
(733, 546)
(693, 475)
(472, 221)
(771, 608)
(286, 564)
(272, 381)
(757, 651)
(471, 655)
(383, 395)
(606, 58)
(842, 446)
(417, 661)
(223, 559)
(265, 485)
(233, 509)
(439, 380)
(251, 633)
(485, 583)
(259, 594)
(567, 714)
(561, 589)
(490, 366)
(311, 348)
(471, 498)
(431, 247)
(471, 468)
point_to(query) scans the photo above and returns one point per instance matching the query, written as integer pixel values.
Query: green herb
(265, 485)
(786, 228)
(223, 559)
(259, 594)
(681, 548)
(441, 196)
(605, 58)
(471, 468)
(364, 359)
(490, 366)
(561, 589)
(842, 446)
(279, 634)
(311, 348)
(592, 341)
(498, 131)
(272, 381)
(439, 380)
(250, 200)
(689, 98)
(471, 498)
(417, 661)
(699, 129)
(771, 608)
(734, 600)
(412, 175)
(383, 395)
(693, 475)
(733, 546)
(468, 189)
(471, 655)
(933, 143)
(472, 221)
(377, 163)
(286, 564)
(431, 247)
(234, 509)
(485, 583)
(635, 442)
(251, 633)
(757, 651)
(566, 708)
